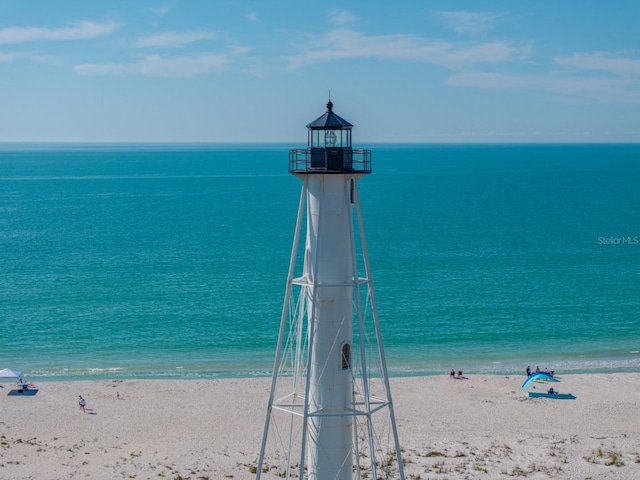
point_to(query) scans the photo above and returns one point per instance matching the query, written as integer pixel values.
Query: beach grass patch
(434, 453)
(609, 458)
(518, 471)
(614, 460)
(439, 467)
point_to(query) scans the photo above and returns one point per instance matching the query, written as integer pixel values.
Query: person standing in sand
(82, 402)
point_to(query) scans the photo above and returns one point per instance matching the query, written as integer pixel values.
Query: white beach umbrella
(9, 374)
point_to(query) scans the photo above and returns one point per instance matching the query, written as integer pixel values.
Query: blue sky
(259, 71)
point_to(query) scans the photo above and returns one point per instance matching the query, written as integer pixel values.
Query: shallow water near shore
(170, 261)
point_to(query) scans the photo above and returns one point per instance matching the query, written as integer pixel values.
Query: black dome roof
(329, 121)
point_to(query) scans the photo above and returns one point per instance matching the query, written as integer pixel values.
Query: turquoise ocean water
(170, 261)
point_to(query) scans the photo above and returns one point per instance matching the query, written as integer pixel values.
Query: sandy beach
(479, 427)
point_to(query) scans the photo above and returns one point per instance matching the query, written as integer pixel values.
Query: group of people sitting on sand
(452, 374)
(24, 386)
(546, 370)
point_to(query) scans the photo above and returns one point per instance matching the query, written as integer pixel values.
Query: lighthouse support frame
(290, 432)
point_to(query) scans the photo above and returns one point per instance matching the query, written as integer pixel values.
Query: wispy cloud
(252, 17)
(8, 57)
(340, 17)
(603, 62)
(162, 10)
(165, 66)
(173, 39)
(599, 76)
(594, 88)
(348, 44)
(469, 23)
(78, 31)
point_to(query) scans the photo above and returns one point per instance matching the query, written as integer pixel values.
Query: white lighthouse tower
(330, 415)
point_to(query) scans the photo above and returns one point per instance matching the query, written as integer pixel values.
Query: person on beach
(459, 373)
(452, 374)
(528, 370)
(82, 402)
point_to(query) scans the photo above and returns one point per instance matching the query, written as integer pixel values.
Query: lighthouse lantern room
(330, 413)
(329, 148)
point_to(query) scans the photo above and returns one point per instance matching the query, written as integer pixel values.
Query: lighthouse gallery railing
(328, 160)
